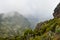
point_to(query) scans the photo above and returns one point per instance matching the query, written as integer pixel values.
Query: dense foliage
(49, 30)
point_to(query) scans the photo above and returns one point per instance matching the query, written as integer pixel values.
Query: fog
(42, 9)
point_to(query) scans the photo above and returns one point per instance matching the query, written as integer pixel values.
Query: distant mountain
(33, 20)
(13, 23)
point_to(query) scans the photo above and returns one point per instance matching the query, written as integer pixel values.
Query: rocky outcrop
(56, 13)
(40, 24)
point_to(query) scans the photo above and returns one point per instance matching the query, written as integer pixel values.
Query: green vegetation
(49, 30)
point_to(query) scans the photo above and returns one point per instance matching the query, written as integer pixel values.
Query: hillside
(47, 30)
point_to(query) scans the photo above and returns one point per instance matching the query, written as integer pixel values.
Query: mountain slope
(13, 24)
(47, 31)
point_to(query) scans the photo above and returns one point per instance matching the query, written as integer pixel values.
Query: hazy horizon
(42, 9)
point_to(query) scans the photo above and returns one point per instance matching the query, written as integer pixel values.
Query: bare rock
(56, 13)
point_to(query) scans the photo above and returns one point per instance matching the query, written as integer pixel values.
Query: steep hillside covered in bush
(48, 30)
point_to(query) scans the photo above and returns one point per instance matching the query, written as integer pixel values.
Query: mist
(42, 9)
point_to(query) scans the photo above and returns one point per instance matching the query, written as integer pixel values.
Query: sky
(42, 9)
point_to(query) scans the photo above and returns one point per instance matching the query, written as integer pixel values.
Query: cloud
(38, 8)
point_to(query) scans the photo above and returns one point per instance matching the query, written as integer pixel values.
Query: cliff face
(56, 13)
